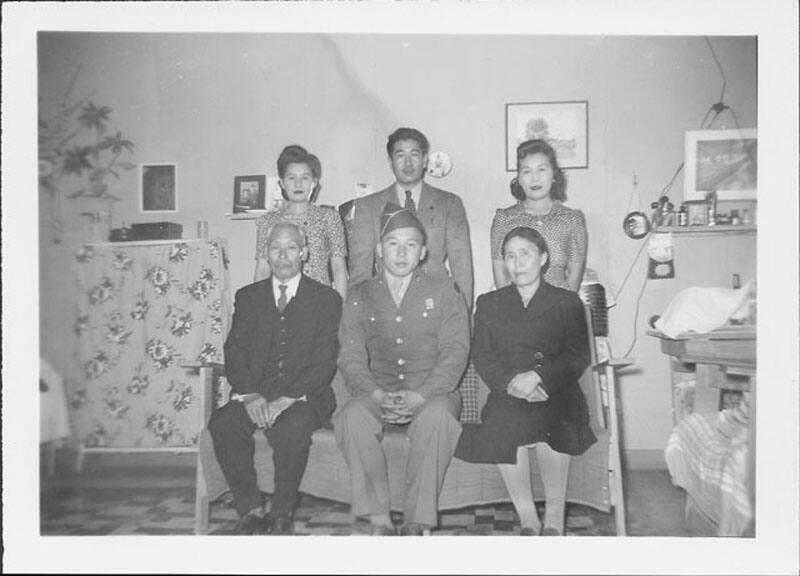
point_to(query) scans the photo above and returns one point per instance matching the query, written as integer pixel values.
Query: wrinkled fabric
(701, 309)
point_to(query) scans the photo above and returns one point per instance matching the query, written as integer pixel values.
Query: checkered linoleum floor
(161, 511)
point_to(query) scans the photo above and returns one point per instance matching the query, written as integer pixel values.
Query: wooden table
(721, 359)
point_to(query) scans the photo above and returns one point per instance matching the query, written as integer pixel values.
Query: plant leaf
(77, 160)
(94, 117)
(117, 143)
(99, 188)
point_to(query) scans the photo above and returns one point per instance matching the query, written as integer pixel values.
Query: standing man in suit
(405, 344)
(280, 358)
(441, 213)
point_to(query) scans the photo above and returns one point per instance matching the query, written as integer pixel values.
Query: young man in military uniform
(404, 342)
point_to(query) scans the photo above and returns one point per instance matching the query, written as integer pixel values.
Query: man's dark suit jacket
(285, 354)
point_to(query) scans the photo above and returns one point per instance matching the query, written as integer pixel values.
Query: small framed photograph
(697, 211)
(564, 125)
(159, 188)
(275, 199)
(721, 161)
(249, 193)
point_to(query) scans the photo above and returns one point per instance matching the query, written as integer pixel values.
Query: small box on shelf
(156, 231)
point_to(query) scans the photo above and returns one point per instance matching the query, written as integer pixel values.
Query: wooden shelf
(703, 230)
(252, 215)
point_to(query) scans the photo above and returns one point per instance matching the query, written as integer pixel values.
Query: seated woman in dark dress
(530, 346)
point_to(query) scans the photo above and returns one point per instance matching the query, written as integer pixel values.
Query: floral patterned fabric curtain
(143, 310)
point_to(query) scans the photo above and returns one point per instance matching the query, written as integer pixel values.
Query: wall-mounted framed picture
(721, 161)
(249, 193)
(158, 187)
(564, 125)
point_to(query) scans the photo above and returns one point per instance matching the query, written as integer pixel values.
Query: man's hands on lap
(399, 407)
(277, 407)
(256, 407)
(527, 386)
(262, 413)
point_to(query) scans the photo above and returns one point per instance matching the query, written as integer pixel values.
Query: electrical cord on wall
(715, 109)
(636, 317)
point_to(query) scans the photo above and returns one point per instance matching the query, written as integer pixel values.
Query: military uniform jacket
(422, 345)
(445, 221)
(290, 353)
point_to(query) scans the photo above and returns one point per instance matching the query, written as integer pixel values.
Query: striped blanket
(707, 456)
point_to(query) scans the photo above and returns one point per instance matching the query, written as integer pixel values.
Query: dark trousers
(290, 438)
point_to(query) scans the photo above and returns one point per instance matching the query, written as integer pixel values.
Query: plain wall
(222, 105)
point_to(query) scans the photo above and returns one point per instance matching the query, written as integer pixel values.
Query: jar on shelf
(683, 216)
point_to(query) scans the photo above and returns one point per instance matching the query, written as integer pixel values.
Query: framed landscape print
(159, 188)
(248, 193)
(564, 125)
(721, 161)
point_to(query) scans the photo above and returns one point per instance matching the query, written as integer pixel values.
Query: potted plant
(77, 152)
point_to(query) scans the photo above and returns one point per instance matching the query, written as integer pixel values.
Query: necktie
(410, 202)
(282, 301)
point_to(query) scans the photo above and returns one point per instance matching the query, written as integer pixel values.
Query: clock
(439, 164)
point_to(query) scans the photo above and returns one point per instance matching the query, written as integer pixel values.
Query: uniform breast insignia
(429, 304)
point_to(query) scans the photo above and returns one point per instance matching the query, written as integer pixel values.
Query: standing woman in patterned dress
(540, 190)
(299, 174)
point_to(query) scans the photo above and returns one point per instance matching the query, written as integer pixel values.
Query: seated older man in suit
(441, 213)
(280, 358)
(405, 343)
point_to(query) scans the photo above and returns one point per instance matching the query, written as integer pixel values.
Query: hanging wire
(635, 190)
(630, 268)
(719, 67)
(636, 317)
(715, 109)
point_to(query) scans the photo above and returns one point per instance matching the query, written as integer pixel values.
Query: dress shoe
(251, 524)
(528, 531)
(412, 529)
(282, 526)
(550, 531)
(383, 530)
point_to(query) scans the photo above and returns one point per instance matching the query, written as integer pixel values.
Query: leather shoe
(383, 530)
(550, 531)
(251, 524)
(528, 531)
(282, 526)
(412, 529)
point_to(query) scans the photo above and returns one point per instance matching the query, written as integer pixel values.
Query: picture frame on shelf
(275, 199)
(697, 212)
(249, 193)
(158, 187)
(721, 161)
(563, 125)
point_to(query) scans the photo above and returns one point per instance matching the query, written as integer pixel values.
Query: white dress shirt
(416, 192)
(291, 288)
(398, 287)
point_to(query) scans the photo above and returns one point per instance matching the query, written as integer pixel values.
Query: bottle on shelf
(683, 215)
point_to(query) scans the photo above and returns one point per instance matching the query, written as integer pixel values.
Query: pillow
(470, 396)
